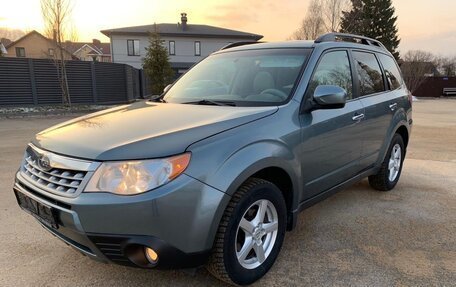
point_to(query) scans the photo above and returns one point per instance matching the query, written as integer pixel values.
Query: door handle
(393, 106)
(358, 117)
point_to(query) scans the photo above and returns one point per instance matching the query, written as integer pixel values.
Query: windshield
(252, 77)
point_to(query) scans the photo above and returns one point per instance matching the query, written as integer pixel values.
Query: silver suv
(216, 169)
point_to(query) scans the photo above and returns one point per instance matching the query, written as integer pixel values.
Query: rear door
(379, 96)
(331, 139)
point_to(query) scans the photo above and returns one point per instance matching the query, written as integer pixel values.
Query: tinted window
(333, 69)
(391, 71)
(369, 73)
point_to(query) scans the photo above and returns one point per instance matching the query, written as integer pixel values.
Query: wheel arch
(404, 133)
(278, 174)
(270, 159)
(403, 129)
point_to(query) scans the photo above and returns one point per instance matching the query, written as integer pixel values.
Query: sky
(423, 24)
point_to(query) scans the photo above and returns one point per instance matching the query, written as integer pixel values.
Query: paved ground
(358, 237)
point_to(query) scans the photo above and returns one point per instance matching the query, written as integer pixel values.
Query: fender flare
(250, 160)
(399, 120)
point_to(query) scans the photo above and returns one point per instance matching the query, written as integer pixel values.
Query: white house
(90, 51)
(186, 43)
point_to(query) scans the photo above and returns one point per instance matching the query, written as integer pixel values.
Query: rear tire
(391, 168)
(250, 234)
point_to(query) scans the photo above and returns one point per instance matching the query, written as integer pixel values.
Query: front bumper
(178, 220)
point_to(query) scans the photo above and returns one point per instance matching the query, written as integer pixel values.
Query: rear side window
(391, 71)
(369, 73)
(333, 69)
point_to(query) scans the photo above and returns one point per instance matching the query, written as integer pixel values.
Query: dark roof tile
(190, 30)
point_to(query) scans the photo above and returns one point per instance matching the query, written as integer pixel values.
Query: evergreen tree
(156, 64)
(374, 19)
(352, 20)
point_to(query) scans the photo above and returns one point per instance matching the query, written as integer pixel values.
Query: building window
(20, 52)
(51, 52)
(172, 48)
(197, 48)
(133, 47)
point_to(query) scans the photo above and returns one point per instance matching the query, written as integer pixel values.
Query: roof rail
(342, 37)
(237, 44)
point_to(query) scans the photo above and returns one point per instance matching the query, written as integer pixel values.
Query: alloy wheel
(256, 234)
(395, 161)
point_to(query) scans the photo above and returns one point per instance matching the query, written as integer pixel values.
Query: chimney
(184, 21)
(96, 42)
(54, 35)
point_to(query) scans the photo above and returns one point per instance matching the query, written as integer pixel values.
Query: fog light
(151, 255)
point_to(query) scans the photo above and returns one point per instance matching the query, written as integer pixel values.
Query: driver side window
(333, 69)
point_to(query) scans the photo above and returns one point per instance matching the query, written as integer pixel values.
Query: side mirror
(167, 88)
(329, 97)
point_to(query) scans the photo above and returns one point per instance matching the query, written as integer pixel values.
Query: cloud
(232, 15)
(238, 13)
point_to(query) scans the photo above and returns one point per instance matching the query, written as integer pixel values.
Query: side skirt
(325, 194)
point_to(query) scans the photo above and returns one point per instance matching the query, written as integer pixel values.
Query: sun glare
(276, 20)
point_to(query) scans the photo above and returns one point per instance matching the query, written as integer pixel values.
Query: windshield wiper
(212, 103)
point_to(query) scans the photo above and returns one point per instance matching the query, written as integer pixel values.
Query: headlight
(133, 177)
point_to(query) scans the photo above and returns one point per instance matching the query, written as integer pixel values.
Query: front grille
(56, 179)
(55, 173)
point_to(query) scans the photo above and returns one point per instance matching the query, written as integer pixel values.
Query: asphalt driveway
(362, 237)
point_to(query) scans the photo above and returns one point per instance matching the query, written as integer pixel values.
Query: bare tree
(447, 66)
(57, 20)
(322, 16)
(416, 66)
(313, 25)
(332, 13)
(11, 34)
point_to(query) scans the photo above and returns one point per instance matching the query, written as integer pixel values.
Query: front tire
(250, 234)
(391, 168)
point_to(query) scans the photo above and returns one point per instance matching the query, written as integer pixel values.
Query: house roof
(99, 48)
(26, 36)
(191, 30)
(38, 34)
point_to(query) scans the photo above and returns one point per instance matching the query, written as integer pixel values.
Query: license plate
(42, 212)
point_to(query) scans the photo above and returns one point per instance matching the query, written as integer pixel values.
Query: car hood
(143, 130)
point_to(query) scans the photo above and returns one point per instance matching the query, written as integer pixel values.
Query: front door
(331, 139)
